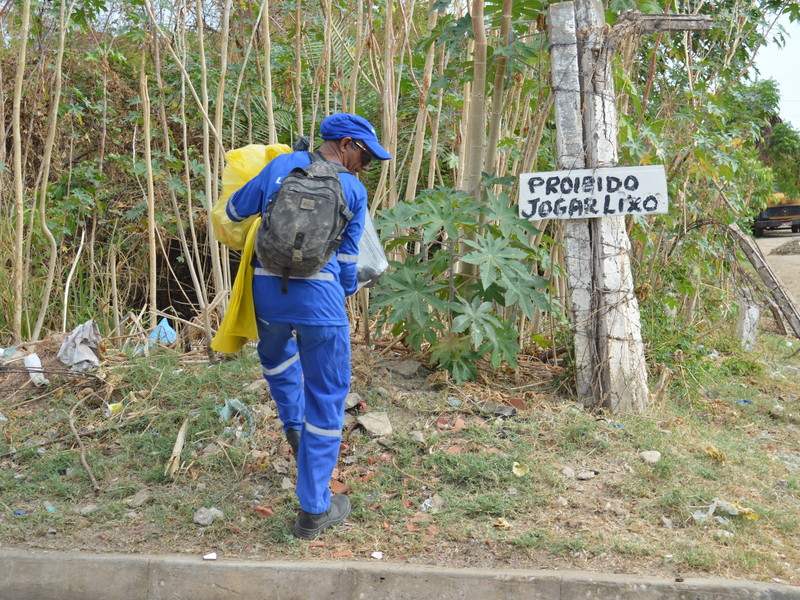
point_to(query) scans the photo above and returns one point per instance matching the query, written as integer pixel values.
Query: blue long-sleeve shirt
(318, 300)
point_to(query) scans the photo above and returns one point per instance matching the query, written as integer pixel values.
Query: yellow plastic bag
(241, 165)
(239, 323)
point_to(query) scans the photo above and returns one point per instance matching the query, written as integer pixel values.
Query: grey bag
(303, 223)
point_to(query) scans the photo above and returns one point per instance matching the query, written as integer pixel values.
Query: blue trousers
(307, 368)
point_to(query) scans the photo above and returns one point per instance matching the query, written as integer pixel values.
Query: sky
(781, 64)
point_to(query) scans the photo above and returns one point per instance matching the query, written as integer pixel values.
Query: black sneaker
(308, 525)
(293, 437)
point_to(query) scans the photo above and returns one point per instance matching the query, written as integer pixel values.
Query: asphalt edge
(45, 575)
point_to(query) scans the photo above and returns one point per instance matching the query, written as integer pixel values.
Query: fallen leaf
(458, 425)
(517, 403)
(421, 517)
(342, 553)
(501, 523)
(264, 512)
(316, 544)
(520, 470)
(454, 450)
(410, 527)
(714, 453)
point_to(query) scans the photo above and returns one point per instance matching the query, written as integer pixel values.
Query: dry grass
(442, 490)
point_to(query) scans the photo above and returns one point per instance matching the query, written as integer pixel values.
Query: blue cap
(342, 125)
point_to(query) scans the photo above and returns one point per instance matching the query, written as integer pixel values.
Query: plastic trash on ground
(79, 349)
(163, 333)
(34, 366)
(233, 406)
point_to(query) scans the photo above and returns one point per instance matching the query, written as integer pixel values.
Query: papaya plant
(459, 318)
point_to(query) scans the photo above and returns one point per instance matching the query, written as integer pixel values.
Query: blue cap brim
(377, 150)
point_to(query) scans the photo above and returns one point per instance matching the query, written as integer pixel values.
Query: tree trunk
(621, 381)
(46, 163)
(19, 189)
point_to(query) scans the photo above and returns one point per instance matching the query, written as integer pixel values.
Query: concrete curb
(83, 576)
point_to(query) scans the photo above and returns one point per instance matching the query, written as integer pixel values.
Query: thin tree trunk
(418, 141)
(353, 87)
(151, 196)
(64, 15)
(298, 66)
(498, 92)
(273, 135)
(19, 191)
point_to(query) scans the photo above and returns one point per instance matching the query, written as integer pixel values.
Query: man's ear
(344, 143)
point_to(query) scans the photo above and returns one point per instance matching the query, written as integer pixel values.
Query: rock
(131, 515)
(287, 484)
(568, 472)
(584, 475)
(376, 424)
(203, 516)
(417, 436)
(216, 513)
(404, 368)
(281, 466)
(140, 498)
(211, 449)
(650, 456)
(88, 509)
(256, 387)
(351, 400)
(349, 421)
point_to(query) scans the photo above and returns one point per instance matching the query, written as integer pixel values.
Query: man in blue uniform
(304, 335)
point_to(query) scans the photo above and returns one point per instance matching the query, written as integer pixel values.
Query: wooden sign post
(611, 372)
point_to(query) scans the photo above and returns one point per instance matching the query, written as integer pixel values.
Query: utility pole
(611, 372)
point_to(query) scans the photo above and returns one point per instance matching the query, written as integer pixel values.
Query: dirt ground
(785, 266)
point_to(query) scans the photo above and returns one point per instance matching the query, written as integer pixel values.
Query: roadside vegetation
(503, 472)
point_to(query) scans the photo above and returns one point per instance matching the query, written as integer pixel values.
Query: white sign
(587, 193)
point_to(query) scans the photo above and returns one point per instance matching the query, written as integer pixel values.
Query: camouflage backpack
(304, 222)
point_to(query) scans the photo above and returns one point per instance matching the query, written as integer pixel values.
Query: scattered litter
(34, 366)
(377, 555)
(3, 418)
(19, 513)
(9, 354)
(163, 333)
(48, 506)
(433, 504)
(730, 508)
(723, 534)
(520, 470)
(233, 406)
(743, 401)
(79, 349)
(112, 409)
(584, 475)
(210, 556)
(455, 402)
(666, 522)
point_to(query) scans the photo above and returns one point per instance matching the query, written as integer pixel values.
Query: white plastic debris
(79, 349)
(34, 366)
(210, 556)
(377, 555)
